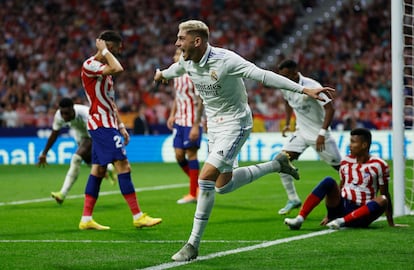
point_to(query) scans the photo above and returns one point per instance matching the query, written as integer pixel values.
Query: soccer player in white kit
(218, 76)
(74, 116)
(313, 120)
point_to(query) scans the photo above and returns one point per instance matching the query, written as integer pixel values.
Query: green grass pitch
(244, 231)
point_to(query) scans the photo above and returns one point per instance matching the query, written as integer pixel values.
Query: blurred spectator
(10, 117)
(140, 123)
(43, 44)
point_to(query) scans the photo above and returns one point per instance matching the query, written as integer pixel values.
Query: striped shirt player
(100, 93)
(185, 121)
(218, 75)
(109, 135)
(187, 99)
(362, 195)
(361, 182)
(313, 120)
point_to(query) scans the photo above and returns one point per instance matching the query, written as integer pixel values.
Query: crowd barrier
(158, 148)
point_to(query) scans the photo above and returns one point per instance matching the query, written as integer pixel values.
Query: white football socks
(72, 173)
(205, 203)
(289, 185)
(246, 175)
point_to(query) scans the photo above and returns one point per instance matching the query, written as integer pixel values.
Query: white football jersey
(218, 77)
(309, 112)
(78, 124)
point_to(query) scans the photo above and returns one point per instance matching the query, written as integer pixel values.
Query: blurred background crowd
(43, 45)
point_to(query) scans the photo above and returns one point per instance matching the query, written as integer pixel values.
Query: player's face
(186, 43)
(357, 146)
(67, 114)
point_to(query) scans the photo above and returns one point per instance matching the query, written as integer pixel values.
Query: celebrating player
(218, 76)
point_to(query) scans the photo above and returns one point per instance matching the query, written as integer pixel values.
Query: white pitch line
(244, 249)
(100, 194)
(238, 250)
(121, 241)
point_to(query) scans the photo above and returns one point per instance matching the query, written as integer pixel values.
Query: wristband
(322, 132)
(122, 125)
(104, 51)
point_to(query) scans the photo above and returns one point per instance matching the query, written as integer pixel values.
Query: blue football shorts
(107, 146)
(181, 137)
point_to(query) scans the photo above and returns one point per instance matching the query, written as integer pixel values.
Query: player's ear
(197, 41)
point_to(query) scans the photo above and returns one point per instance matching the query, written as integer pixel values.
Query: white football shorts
(299, 144)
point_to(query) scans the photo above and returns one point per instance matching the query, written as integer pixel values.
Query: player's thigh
(295, 144)
(330, 154)
(84, 149)
(107, 146)
(225, 144)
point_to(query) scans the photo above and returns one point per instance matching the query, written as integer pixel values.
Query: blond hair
(195, 27)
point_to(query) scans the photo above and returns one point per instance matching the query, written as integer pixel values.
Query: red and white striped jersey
(362, 181)
(100, 93)
(186, 98)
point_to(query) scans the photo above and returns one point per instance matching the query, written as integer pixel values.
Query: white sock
(86, 218)
(137, 216)
(246, 175)
(72, 174)
(289, 185)
(205, 203)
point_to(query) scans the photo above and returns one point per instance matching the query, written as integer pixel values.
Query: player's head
(192, 39)
(289, 69)
(361, 139)
(112, 39)
(66, 108)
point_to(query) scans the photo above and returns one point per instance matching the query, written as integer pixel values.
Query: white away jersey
(218, 77)
(309, 112)
(78, 124)
(362, 181)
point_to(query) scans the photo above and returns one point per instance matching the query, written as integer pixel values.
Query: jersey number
(118, 141)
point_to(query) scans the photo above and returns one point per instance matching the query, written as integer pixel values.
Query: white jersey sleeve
(218, 77)
(310, 113)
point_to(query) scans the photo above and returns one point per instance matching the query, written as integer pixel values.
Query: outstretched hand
(42, 161)
(159, 78)
(314, 93)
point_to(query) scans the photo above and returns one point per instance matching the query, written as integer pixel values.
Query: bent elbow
(116, 70)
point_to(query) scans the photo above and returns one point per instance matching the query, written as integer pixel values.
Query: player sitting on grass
(354, 203)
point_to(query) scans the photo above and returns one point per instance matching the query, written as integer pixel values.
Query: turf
(37, 233)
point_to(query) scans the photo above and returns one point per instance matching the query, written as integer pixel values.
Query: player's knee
(225, 189)
(328, 182)
(326, 186)
(76, 160)
(382, 201)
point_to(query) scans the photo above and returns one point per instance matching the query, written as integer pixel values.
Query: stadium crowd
(43, 44)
